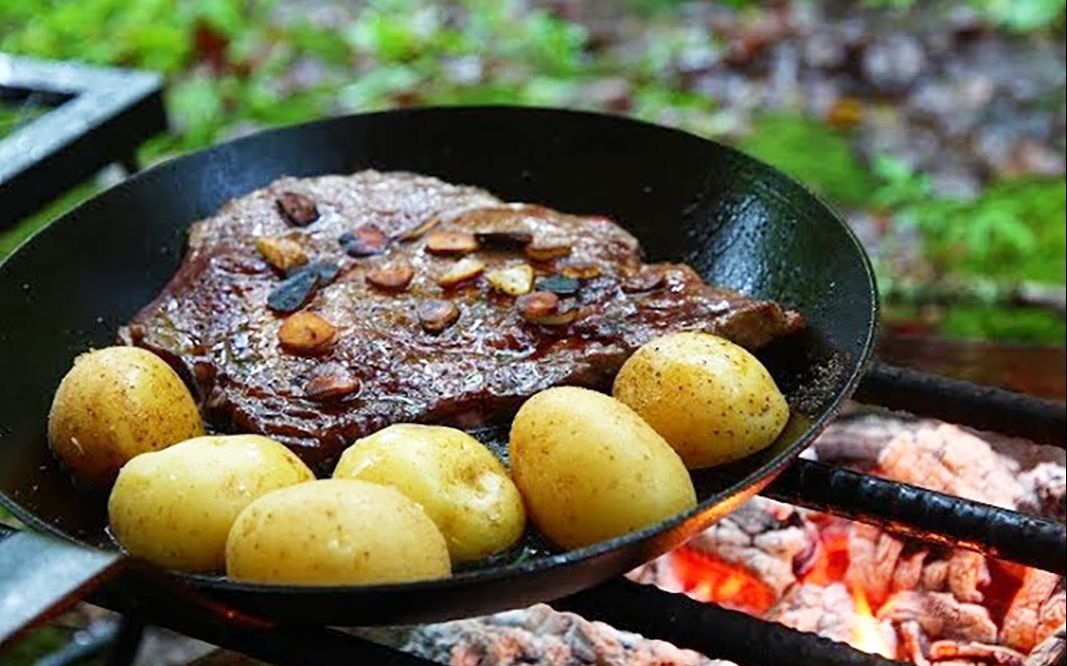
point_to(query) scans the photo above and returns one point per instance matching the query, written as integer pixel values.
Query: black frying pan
(737, 221)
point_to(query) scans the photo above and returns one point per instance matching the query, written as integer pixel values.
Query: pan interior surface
(737, 222)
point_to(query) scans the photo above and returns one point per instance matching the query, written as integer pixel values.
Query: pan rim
(748, 484)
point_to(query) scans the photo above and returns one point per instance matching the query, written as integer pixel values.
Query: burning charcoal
(824, 610)
(976, 652)
(503, 240)
(1032, 615)
(941, 616)
(294, 292)
(297, 208)
(540, 636)
(364, 241)
(1051, 651)
(1044, 489)
(559, 285)
(950, 460)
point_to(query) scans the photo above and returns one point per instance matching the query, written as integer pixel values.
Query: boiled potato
(590, 469)
(335, 532)
(710, 399)
(114, 403)
(458, 482)
(175, 507)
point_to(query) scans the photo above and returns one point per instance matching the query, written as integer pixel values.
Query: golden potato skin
(114, 403)
(712, 400)
(175, 507)
(335, 532)
(590, 469)
(458, 482)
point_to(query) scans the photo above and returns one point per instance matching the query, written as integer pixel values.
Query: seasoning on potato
(113, 404)
(335, 532)
(175, 507)
(590, 469)
(460, 484)
(712, 400)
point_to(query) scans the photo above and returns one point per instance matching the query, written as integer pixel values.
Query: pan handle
(957, 401)
(41, 576)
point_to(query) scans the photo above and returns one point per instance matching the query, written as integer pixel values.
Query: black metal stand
(100, 116)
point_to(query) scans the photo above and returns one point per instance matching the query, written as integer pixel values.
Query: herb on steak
(437, 315)
(297, 208)
(326, 270)
(306, 333)
(461, 271)
(281, 253)
(331, 381)
(450, 243)
(294, 292)
(547, 250)
(364, 241)
(582, 270)
(650, 278)
(391, 277)
(503, 240)
(559, 285)
(512, 280)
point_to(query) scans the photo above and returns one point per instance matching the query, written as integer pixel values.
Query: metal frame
(101, 116)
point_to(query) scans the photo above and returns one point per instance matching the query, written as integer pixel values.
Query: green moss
(813, 153)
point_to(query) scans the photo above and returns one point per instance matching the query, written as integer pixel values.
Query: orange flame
(707, 578)
(866, 633)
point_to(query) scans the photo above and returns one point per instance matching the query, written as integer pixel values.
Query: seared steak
(369, 253)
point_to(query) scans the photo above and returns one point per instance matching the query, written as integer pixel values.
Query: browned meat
(390, 343)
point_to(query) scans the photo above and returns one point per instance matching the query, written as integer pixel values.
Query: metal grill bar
(709, 629)
(957, 401)
(917, 513)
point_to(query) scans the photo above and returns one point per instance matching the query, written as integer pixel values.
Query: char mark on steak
(419, 280)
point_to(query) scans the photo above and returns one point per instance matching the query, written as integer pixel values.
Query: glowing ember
(707, 578)
(866, 632)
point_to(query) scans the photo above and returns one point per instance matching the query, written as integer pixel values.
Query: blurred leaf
(789, 142)
(1008, 324)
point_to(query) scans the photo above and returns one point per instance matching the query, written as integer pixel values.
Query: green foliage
(789, 142)
(1018, 15)
(1013, 231)
(1024, 325)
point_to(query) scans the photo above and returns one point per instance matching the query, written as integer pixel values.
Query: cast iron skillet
(738, 222)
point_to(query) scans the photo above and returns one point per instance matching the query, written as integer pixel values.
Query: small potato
(335, 532)
(590, 469)
(710, 399)
(457, 481)
(175, 507)
(114, 403)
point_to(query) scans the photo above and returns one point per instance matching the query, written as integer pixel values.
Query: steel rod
(917, 513)
(957, 401)
(709, 629)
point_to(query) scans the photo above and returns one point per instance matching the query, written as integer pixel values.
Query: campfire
(855, 583)
(847, 581)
